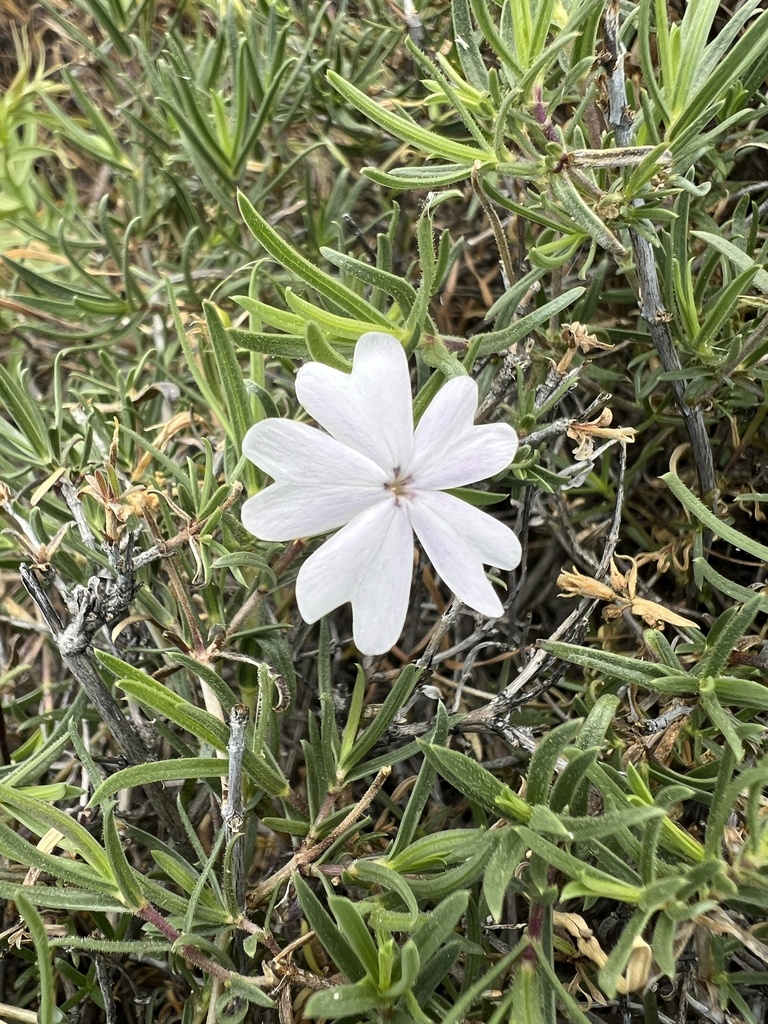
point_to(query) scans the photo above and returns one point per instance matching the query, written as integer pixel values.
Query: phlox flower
(381, 481)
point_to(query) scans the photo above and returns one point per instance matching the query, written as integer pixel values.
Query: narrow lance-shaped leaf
(326, 929)
(394, 701)
(238, 406)
(730, 628)
(475, 781)
(159, 771)
(497, 341)
(468, 51)
(615, 666)
(353, 927)
(121, 869)
(740, 259)
(583, 215)
(292, 260)
(430, 143)
(697, 509)
(78, 839)
(44, 959)
(702, 570)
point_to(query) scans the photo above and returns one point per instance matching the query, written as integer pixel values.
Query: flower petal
(370, 409)
(370, 563)
(458, 539)
(321, 484)
(288, 510)
(291, 451)
(449, 450)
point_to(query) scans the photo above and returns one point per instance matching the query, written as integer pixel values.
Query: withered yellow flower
(577, 336)
(621, 596)
(585, 434)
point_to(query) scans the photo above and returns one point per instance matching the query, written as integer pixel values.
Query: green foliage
(196, 197)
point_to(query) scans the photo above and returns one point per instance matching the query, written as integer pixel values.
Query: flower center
(398, 486)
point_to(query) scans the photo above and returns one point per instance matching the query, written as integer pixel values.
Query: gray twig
(90, 608)
(106, 989)
(651, 305)
(73, 642)
(232, 805)
(69, 492)
(446, 621)
(413, 22)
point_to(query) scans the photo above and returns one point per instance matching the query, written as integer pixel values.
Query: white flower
(381, 481)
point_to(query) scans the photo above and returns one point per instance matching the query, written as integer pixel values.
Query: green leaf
(248, 989)
(354, 929)
(702, 570)
(572, 202)
(283, 346)
(619, 956)
(528, 997)
(731, 68)
(593, 880)
(496, 341)
(741, 693)
(433, 176)
(720, 718)
(282, 319)
(121, 870)
(476, 782)
(461, 1007)
(598, 722)
(130, 947)
(192, 361)
(393, 703)
(729, 629)
(615, 666)
(477, 498)
(507, 855)
(20, 851)
(720, 311)
(16, 399)
(159, 771)
(572, 786)
(467, 50)
(321, 351)
(439, 924)
(420, 793)
(429, 142)
(57, 898)
(663, 944)
(208, 674)
(326, 929)
(574, 1013)
(439, 885)
(159, 699)
(450, 86)
(409, 964)
(379, 875)
(289, 258)
(699, 511)
(435, 850)
(545, 757)
(587, 829)
(43, 957)
(431, 975)
(390, 284)
(240, 415)
(343, 328)
(343, 1001)
(40, 816)
(691, 36)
